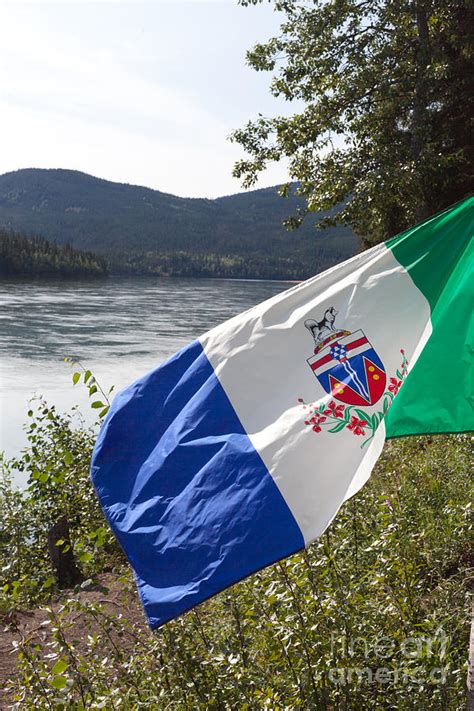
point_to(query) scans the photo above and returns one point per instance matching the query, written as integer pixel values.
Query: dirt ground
(114, 595)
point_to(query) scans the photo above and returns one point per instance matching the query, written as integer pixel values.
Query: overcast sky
(142, 93)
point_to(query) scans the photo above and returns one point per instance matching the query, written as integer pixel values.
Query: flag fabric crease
(239, 450)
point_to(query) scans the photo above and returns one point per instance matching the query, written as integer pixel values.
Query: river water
(118, 328)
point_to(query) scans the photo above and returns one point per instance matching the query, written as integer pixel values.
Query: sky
(142, 93)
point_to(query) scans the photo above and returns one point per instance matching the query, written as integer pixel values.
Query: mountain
(137, 228)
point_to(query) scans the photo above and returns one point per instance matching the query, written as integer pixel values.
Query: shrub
(375, 614)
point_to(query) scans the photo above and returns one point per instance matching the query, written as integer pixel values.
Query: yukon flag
(240, 449)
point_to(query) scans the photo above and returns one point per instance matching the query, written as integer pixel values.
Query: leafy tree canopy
(387, 105)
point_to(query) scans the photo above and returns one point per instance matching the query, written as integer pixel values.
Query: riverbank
(375, 613)
(24, 628)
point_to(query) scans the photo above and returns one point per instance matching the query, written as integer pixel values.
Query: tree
(387, 93)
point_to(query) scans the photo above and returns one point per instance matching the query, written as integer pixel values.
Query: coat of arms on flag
(345, 364)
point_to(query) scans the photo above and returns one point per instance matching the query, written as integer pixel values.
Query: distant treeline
(36, 256)
(231, 266)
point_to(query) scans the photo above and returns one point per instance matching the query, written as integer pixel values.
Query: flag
(239, 450)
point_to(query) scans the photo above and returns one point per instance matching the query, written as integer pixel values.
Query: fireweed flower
(315, 422)
(395, 385)
(356, 425)
(334, 410)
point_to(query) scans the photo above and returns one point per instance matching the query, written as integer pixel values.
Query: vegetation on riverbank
(22, 256)
(34, 256)
(223, 266)
(374, 615)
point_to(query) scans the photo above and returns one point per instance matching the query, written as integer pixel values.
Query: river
(118, 328)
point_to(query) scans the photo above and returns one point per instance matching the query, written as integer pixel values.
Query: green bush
(374, 615)
(56, 463)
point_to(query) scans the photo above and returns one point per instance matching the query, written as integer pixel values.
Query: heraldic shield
(349, 369)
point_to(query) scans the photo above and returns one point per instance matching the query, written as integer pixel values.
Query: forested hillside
(142, 230)
(35, 256)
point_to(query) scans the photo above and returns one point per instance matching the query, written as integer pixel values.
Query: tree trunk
(420, 123)
(62, 557)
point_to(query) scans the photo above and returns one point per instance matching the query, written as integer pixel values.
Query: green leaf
(75, 378)
(347, 413)
(337, 428)
(362, 415)
(87, 375)
(85, 557)
(68, 458)
(92, 390)
(58, 682)
(59, 667)
(97, 404)
(103, 412)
